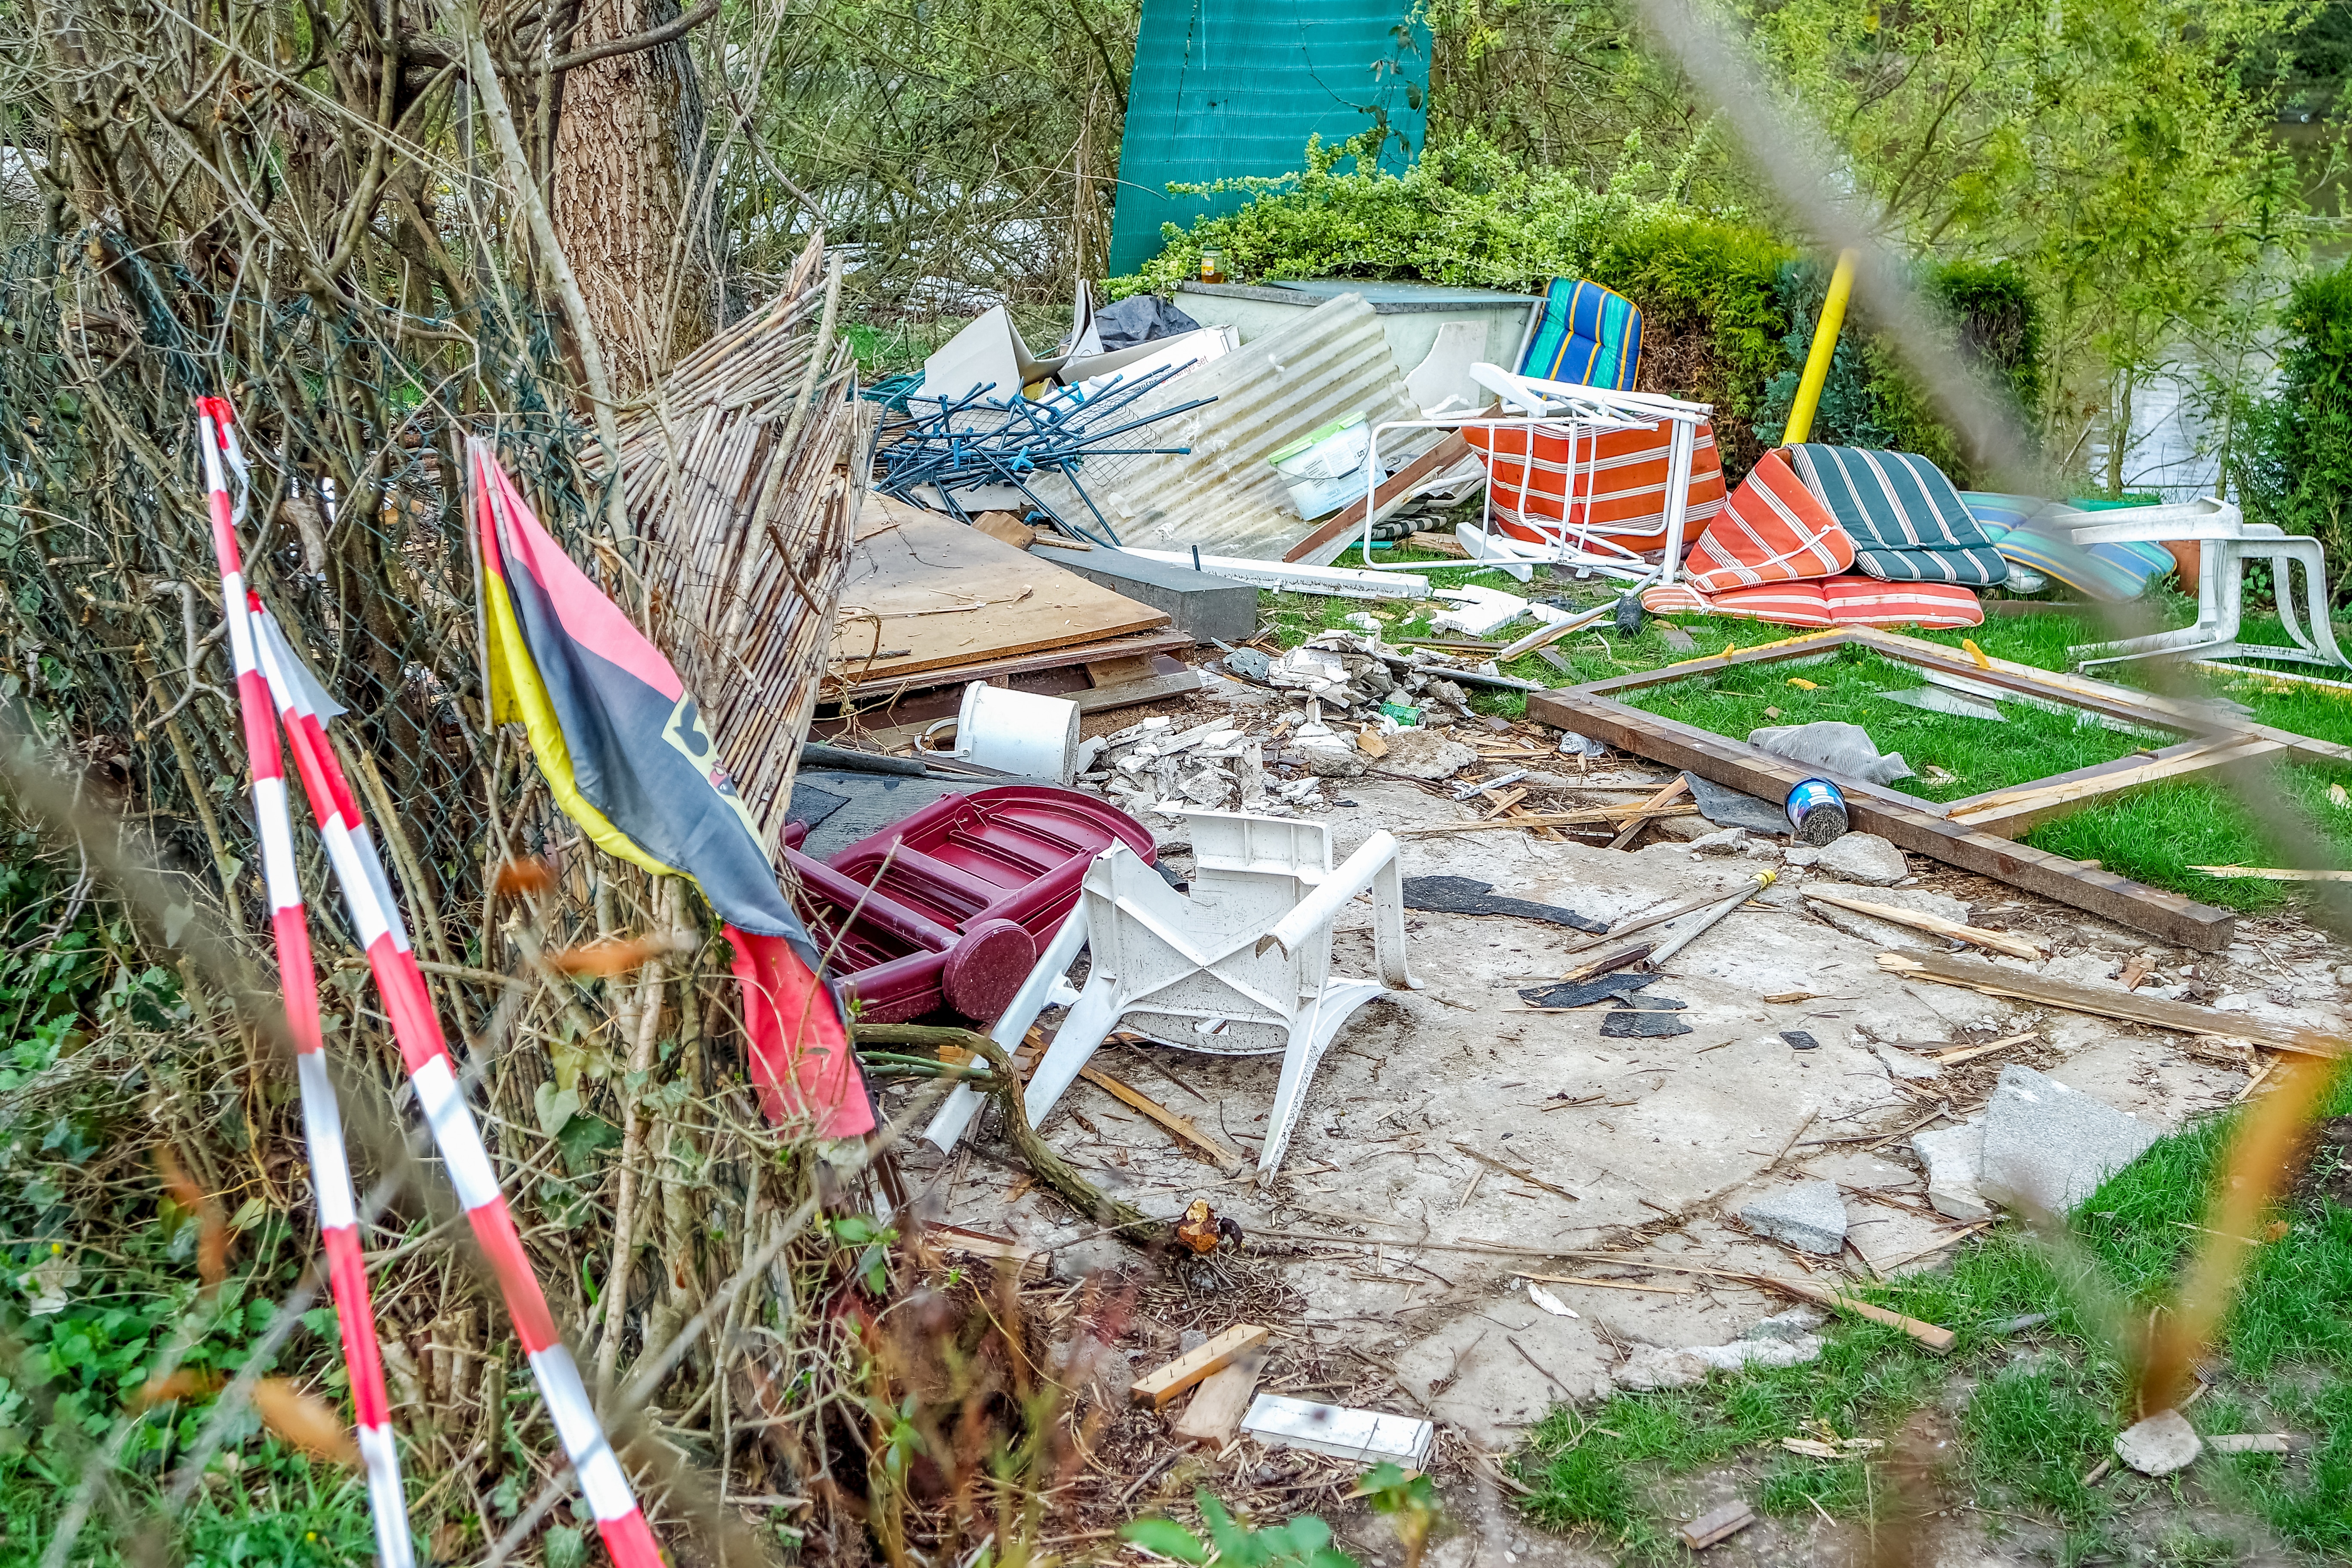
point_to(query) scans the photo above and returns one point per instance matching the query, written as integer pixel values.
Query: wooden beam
(1903, 820)
(2011, 812)
(2127, 1005)
(1386, 494)
(2192, 717)
(1157, 1388)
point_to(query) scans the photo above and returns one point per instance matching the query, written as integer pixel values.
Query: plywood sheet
(934, 593)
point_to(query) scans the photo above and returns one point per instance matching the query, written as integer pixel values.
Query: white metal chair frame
(2225, 542)
(1580, 414)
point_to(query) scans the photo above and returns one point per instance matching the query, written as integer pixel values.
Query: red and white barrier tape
(375, 920)
(322, 1122)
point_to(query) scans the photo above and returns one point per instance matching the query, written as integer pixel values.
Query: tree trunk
(625, 178)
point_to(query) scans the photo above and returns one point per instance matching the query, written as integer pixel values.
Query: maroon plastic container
(952, 904)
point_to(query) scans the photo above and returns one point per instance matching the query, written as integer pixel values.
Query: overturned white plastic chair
(1239, 966)
(2225, 542)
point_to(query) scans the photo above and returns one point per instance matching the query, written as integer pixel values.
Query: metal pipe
(1817, 362)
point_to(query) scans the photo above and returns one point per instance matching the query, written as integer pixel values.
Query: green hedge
(1728, 307)
(2290, 463)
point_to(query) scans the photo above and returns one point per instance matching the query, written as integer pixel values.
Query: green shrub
(2292, 466)
(1872, 398)
(1465, 214)
(1728, 307)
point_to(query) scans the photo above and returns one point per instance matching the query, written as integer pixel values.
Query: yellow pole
(1817, 363)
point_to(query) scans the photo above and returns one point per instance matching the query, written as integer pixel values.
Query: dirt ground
(1377, 1254)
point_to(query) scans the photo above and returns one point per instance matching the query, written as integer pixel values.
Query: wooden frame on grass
(1974, 834)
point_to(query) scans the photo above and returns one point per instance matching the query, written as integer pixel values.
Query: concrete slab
(1208, 606)
(2048, 1147)
(1807, 1216)
(1660, 1141)
(1954, 1159)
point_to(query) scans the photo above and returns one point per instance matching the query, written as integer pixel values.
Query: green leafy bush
(2292, 467)
(1872, 398)
(1465, 214)
(1728, 307)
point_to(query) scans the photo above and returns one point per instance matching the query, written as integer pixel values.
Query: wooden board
(1217, 1408)
(871, 693)
(2183, 1017)
(1157, 1388)
(949, 595)
(1903, 821)
(1396, 488)
(2015, 811)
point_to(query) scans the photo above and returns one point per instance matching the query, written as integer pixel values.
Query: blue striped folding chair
(1587, 335)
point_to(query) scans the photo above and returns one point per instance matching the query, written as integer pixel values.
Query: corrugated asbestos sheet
(1222, 88)
(1224, 497)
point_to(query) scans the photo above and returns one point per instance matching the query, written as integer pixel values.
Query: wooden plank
(1026, 1263)
(1214, 1416)
(2173, 715)
(1608, 814)
(1905, 821)
(1717, 1524)
(1803, 647)
(2275, 873)
(2018, 811)
(2129, 1007)
(1157, 1388)
(1439, 544)
(2094, 769)
(1998, 941)
(1166, 1118)
(952, 595)
(872, 691)
(1127, 693)
(1386, 494)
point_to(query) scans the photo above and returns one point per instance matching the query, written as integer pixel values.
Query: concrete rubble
(1769, 1091)
(1808, 1215)
(2048, 1147)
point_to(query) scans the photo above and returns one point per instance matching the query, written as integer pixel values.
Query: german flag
(625, 755)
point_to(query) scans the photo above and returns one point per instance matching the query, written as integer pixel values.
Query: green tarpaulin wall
(1223, 88)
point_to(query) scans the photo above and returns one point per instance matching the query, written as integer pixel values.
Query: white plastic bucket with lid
(1325, 470)
(1011, 731)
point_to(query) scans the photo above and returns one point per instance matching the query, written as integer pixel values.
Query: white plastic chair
(1239, 966)
(2225, 543)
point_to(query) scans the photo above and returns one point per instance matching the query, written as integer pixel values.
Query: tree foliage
(2293, 469)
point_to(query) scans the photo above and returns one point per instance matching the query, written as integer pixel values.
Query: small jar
(1213, 267)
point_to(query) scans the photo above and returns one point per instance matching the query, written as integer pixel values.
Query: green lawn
(2154, 837)
(2035, 1411)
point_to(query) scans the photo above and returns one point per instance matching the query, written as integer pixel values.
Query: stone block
(1954, 1158)
(1206, 605)
(1862, 857)
(2048, 1147)
(1807, 1216)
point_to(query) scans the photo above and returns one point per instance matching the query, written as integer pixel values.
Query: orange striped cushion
(1867, 602)
(1783, 604)
(1620, 482)
(1771, 531)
